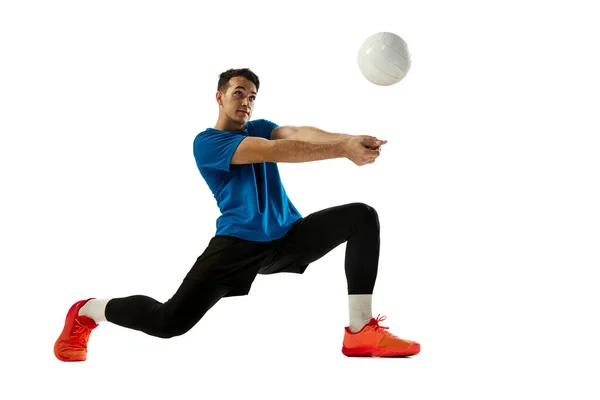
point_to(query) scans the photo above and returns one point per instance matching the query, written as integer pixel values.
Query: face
(237, 102)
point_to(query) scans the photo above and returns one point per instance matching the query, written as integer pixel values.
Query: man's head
(236, 93)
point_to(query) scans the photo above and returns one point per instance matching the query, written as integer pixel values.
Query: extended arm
(358, 149)
(257, 150)
(307, 134)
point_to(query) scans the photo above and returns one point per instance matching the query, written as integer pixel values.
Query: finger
(371, 142)
(379, 143)
(370, 159)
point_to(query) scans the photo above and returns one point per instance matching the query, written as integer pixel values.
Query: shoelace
(383, 329)
(81, 334)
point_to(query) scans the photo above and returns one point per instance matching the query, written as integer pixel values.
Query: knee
(365, 213)
(167, 334)
(169, 328)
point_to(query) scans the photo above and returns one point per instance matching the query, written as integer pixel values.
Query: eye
(252, 98)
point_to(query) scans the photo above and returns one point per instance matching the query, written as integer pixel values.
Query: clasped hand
(363, 149)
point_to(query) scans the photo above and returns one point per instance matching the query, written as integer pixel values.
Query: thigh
(315, 235)
(230, 262)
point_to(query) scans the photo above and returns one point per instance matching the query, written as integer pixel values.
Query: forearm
(316, 135)
(296, 151)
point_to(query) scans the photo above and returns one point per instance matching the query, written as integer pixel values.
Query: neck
(227, 124)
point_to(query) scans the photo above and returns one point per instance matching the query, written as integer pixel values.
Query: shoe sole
(412, 350)
(74, 358)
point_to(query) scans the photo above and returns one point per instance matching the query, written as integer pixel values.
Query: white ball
(384, 59)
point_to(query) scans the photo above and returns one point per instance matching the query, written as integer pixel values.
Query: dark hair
(224, 77)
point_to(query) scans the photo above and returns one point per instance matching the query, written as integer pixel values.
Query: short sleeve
(214, 149)
(266, 127)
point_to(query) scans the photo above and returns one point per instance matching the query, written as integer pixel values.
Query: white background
(487, 194)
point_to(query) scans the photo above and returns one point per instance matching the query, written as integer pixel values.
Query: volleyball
(384, 59)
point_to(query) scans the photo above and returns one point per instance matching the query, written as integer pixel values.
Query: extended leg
(172, 318)
(227, 267)
(175, 317)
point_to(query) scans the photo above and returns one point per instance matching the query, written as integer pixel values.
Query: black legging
(310, 238)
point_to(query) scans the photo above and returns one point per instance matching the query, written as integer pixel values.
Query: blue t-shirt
(253, 202)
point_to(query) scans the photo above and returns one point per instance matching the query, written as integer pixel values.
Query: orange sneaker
(71, 345)
(375, 341)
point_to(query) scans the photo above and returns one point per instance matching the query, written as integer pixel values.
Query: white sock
(95, 309)
(359, 306)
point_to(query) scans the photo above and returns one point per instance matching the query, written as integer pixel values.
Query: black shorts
(235, 262)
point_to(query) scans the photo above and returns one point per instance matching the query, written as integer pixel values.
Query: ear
(219, 97)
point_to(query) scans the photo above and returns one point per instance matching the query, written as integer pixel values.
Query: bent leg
(318, 233)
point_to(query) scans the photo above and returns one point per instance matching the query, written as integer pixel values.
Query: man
(259, 231)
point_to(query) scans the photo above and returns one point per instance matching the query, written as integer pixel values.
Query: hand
(363, 149)
(372, 139)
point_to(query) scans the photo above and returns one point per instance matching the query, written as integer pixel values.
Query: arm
(307, 134)
(258, 150)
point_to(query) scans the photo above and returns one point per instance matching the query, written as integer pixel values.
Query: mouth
(245, 112)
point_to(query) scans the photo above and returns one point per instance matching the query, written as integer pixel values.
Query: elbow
(284, 132)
